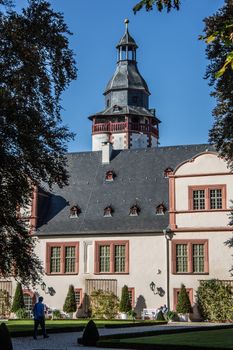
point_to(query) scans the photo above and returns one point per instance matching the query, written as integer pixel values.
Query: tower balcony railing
(124, 127)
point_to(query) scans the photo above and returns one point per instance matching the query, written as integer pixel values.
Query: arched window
(108, 211)
(110, 175)
(74, 211)
(161, 209)
(168, 171)
(134, 210)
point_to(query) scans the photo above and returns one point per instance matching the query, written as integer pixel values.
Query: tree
(18, 302)
(183, 304)
(36, 66)
(219, 38)
(219, 72)
(70, 302)
(215, 300)
(125, 304)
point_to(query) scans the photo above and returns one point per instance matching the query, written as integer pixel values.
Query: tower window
(161, 209)
(108, 211)
(167, 172)
(108, 103)
(134, 210)
(110, 175)
(74, 211)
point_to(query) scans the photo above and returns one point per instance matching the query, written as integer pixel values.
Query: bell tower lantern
(127, 122)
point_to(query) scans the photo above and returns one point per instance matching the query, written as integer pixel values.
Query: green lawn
(27, 325)
(213, 338)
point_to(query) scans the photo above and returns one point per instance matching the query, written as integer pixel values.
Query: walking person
(39, 318)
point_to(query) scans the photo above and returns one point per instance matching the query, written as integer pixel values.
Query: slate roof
(125, 110)
(139, 180)
(127, 76)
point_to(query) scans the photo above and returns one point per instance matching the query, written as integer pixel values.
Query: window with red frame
(176, 292)
(78, 296)
(211, 197)
(131, 296)
(62, 258)
(190, 256)
(112, 257)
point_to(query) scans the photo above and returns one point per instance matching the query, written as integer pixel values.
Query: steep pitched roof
(139, 180)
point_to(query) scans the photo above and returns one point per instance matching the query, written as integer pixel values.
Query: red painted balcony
(124, 127)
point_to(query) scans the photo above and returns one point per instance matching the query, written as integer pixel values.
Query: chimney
(106, 152)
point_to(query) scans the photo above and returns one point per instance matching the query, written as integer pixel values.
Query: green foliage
(5, 338)
(4, 303)
(171, 316)
(160, 5)
(215, 300)
(103, 304)
(70, 303)
(183, 304)
(90, 334)
(219, 30)
(132, 314)
(21, 313)
(125, 304)
(56, 314)
(18, 301)
(160, 316)
(36, 67)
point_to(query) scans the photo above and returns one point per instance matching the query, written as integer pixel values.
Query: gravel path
(68, 341)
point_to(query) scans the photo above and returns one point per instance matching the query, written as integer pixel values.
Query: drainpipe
(168, 234)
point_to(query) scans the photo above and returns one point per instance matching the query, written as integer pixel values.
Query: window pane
(27, 302)
(70, 259)
(77, 297)
(104, 254)
(181, 258)
(216, 199)
(119, 258)
(198, 199)
(55, 259)
(198, 257)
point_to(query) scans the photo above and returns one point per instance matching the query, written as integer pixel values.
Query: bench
(149, 313)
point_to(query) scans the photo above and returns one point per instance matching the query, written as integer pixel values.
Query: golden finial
(126, 23)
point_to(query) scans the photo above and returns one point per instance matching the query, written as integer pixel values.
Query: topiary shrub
(21, 313)
(125, 304)
(70, 302)
(56, 314)
(171, 316)
(183, 305)
(160, 316)
(18, 301)
(5, 338)
(215, 300)
(90, 335)
(103, 304)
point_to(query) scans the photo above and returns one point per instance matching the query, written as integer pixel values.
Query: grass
(215, 339)
(25, 326)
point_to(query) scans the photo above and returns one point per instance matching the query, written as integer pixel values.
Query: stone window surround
(190, 243)
(112, 244)
(80, 291)
(62, 245)
(175, 296)
(207, 189)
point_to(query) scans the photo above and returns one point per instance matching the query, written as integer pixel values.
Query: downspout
(168, 234)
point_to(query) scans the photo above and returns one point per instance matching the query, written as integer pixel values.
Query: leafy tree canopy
(36, 66)
(219, 38)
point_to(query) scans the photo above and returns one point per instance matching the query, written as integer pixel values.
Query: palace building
(134, 213)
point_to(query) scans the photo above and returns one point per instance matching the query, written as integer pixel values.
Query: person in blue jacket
(39, 318)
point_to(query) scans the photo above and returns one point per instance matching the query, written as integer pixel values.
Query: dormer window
(110, 175)
(167, 172)
(74, 212)
(108, 211)
(161, 209)
(134, 210)
(116, 108)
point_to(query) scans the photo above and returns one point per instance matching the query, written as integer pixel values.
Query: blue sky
(170, 58)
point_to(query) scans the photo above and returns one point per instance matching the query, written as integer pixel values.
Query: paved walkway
(68, 341)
